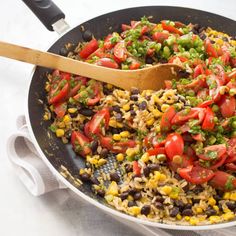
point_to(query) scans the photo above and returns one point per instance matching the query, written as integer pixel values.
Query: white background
(21, 213)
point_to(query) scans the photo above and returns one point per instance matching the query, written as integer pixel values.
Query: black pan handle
(46, 11)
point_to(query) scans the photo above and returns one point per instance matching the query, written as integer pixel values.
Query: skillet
(52, 150)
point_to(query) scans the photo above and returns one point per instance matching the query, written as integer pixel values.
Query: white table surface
(21, 213)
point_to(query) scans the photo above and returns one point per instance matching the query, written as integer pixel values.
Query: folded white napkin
(38, 179)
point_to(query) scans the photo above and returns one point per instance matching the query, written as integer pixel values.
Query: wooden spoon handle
(54, 61)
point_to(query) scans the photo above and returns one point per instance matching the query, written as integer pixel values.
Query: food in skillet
(175, 148)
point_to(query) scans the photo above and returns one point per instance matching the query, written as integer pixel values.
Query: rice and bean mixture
(175, 148)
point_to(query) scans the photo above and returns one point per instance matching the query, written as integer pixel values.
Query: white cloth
(38, 179)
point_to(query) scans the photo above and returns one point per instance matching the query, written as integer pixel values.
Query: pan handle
(46, 11)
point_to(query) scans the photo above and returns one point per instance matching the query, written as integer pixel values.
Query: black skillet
(53, 151)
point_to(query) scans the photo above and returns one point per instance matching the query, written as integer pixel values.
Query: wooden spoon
(152, 77)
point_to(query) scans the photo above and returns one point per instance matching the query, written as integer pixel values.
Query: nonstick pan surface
(53, 151)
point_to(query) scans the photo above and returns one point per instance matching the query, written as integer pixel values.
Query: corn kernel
(166, 189)
(211, 201)
(60, 133)
(219, 41)
(116, 137)
(156, 113)
(157, 175)
(120, 157)
(164, 107)
(109, 198)
(162, 177)
(228, 216)
(125, 134)
(81, 171)
(226, 196)
(112, 189)
(223, 90)
(72, 110)
(178, 217)
(45, 117)
(174, 195)
(92, 160)
(145, 157)
(101, 162)
(214, 219)
(113, 123)
(199, 210)
(158, 128)
(131, 152)
(66, 119)
(157, 99)
(187, 218)
(135, 210)
(130, 198)
(232, 91)
(61, 124)
(126, 107)
(193, 221)
(216, 208)
(233, 196)
(150, 121)
(109, 86)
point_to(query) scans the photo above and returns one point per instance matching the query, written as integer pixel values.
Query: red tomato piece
(210, 50)
(223, 181)
(178, 162)
(107, 62)
(89, 48)
(213, 152)
(203, 93)
(80, 143)
(160, 37)
(120, 51)
(214, 87)
(227, 106)
(65, 75)
(78, 82)
(230, 166)
(156, 151)
(60, 109)
(205, 104)
(107, 42)
(136, 168)
(184, 115)
(134, 24)
(168, 84)
(134, 65)
(196, 174)
(196, 84)
(170, 28)
(144, 29)
(233, 62)
(125, 27)
(231, 150)
(180, 58)
(198, 137)
(167, 118)
(198, 70)
(174, 145)
(59, 92)
(208, 122)
(219, 163)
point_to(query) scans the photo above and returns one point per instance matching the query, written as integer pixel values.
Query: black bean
(135, 91)
(217, 197)
(146, 171)
(81, 127)
(63, 52)
(124, 195)
(128, 168)
(118, 117)
(75, 114)
(142, 105)
(177, 176)
(86, 112)
(106, 91)
(196, 27)
(220, 193)
(159, 205)
(202, 29)
(159, 199)
(94, 180)
(137, 196)
(179, 204)
(149, 60)
(174, 212)
(85, 177)
(104, 153)
(163, 60)
(210, 212)
(131, 203)
(187, 212)
(116, 108)
(94, 146)
(132, 113)
(114, 177)
(195, 201)
(145, 210)
(202, 36)
(225, 39)
(154, 167)
(188, 206)
(231, 205)
(87, 35)
(132, 191)
(114, 130)
(101, 192)
(212, 41)
(198, 189)
(183, 74)
(186, 188)
(134, 97)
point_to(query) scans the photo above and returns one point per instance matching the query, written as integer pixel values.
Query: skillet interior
(59, 154)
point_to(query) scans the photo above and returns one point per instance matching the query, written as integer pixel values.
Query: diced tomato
(214, 87)
(156, 151)
(203, 93)
(60, 109)
(230, 166)
(125, 27)
(134, 65)
(196, 174)
(120, 51)
(174, 145)
(232, 83)
(170, 28)
(59, 92)
(208, 122)
(144, 29)
(80, 143)
(150, 51)
(210, 50)
(179, 24)
(198, 70)
(167, 118)
(227, 106)
(77, 83)
(231, 150)
(107, 62)
(198, 137)
(100, 52)
(179, 58)
(168, 84)
(223, 181)
(107, 42)
(160, 37)
(65, 75)
(136, 168)
(205, 104)
(134, 24)
(158, 141)
(219, 163)
(233, 62)
(89, 48)
(213, 152)
(221, 75)
(182, 161)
